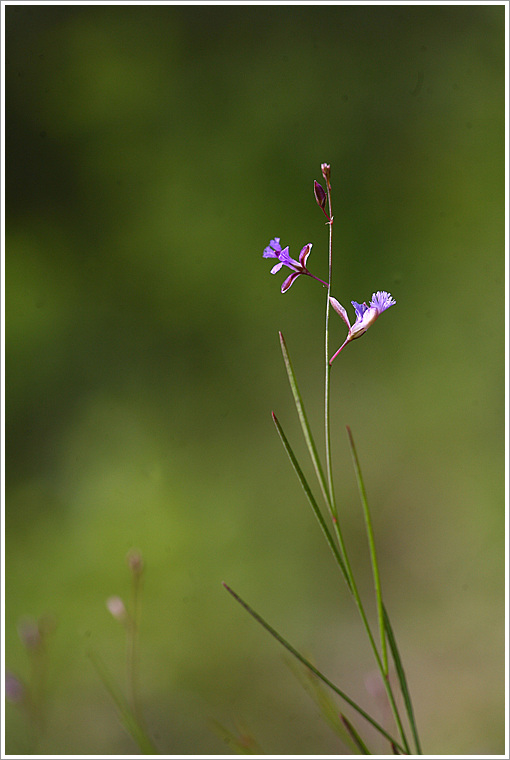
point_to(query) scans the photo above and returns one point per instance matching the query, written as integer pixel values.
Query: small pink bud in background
(29, 633)
(117, 608)
(14, 688)
(135, 561)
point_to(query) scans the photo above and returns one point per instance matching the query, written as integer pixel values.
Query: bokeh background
(151, 154)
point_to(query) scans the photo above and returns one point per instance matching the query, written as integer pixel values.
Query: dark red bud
(320, 195)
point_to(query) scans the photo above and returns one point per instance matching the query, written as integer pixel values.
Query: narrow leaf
(309, 665)
(311, 499)
(371, 543)
(358, 741)
(402, 679)
(304, 424)
(323, 699)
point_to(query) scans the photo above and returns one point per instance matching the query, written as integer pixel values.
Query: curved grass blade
(402, 679)
(311, 499)
(311, 667)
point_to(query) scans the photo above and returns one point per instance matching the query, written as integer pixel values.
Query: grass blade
(358, 741)
(311, 667)
(373, 556)
(402, 680)
(323, 699)
(311, 499)
(305, 426)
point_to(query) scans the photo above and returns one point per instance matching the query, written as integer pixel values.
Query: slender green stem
(311, 667)
(373, 555)
(327, 427)
(382, 664)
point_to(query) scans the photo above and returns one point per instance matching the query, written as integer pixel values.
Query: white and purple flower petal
(365, 315)
(382, 301)
(305, 252)
(340, 310)
(290, 279)
(273, 249)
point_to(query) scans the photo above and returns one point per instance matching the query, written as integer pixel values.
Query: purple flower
(365, 315)
(275, 251)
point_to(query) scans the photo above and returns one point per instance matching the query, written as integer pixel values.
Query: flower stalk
(366, 315)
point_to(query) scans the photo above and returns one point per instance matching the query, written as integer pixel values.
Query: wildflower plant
(129, 708)
(383, 642)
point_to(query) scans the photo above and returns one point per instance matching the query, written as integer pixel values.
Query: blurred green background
(151, 154)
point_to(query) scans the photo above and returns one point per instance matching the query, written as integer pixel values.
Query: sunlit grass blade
(311, 499)
(126, 716)
(373, 555)
(309, 665)
(305, 426)
(402, 679)
(358, 741)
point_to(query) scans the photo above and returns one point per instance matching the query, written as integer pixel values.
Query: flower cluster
(275, 251)
(366, 314)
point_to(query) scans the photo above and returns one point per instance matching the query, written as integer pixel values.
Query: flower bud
(14, 688)
(30, 634)
(117, 608)
(135, 561)
(320, 195)
(326, 169)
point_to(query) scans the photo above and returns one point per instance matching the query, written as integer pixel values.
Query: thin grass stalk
(327, 426)
(381, 663)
